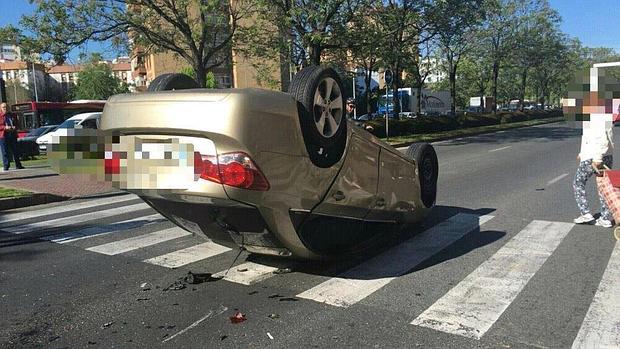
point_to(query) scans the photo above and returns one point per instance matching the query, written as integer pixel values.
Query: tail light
(233, 169)
(112, 162)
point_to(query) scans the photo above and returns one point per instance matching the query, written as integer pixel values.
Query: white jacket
(597, 139)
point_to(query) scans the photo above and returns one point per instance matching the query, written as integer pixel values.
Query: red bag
(609, 187)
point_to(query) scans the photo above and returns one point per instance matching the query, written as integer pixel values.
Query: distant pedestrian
(8, 138)
(596, 152)
(350, 108)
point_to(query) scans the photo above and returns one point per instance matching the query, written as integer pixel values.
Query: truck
(481, 104)
(432, 102)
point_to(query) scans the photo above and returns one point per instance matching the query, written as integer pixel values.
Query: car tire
(321, 107)
(427, 163)
(173, 81)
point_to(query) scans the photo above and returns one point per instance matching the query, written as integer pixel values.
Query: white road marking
(472, 307)
(498, 149)
(134, 243)
(60, 222)
(601, 326)
(7, 219)
(196, 323)
(188, 255)
(247, 273)
(106, 229)
(361, 281)
(556, 179)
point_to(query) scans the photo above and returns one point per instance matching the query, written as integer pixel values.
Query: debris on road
(145, 286)
(252, 293)
(269, 335)
(238, 318)
(289, 299)
(175, 286)
(223, 337)
(107, 324)
(198, 278)
(282, 271)
(142, 299)
(242, 270)
(275, 295)
(273, 316)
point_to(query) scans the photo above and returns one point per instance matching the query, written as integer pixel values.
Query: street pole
(34, 79)
(387, 106)
(355, 109)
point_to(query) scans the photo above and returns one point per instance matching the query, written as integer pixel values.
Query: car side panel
(354, 190)
(398, 188)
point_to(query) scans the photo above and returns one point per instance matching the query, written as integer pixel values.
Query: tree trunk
(495, 78)
(315, 54)
(367, 82)
(453, 88)
(201, 75)
(522, 88)
(418, 98)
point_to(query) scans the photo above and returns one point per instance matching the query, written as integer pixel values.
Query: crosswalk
(469, 309)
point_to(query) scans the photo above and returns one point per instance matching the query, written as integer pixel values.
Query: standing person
(8, 138)
(350, 108)
(596, 150)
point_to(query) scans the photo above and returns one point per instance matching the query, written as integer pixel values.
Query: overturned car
(274, 173)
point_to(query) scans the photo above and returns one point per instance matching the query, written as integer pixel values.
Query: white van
(84, 120)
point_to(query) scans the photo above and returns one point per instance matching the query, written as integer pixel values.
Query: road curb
(30, 200)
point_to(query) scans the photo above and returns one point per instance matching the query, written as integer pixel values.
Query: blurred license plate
(162, 164)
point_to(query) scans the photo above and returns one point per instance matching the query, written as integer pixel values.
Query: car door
(397, 188)
(354, 190)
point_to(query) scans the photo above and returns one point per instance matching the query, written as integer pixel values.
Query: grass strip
(36, 161)
(401, 141)
(6, 193)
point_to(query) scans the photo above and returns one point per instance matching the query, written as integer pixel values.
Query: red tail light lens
(233, 169)
(112, 163)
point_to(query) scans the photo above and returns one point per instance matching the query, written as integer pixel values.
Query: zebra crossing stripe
(247, 273)
(474, 305)
(134, 243)
(105, 229)
(9, 219)
(188, 255)
(361, 281)
(601, 326)
(60, 222)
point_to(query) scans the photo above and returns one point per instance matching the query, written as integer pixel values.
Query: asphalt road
(498, 264)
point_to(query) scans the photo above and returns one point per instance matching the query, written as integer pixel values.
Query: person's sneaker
(603, 223)
(584, 218)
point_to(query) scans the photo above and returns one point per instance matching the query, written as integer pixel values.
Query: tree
(96, 81)
(407, 24)
(499, 29)
(200, 32)
(456, 33)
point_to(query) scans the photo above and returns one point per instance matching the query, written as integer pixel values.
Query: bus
(32, 115)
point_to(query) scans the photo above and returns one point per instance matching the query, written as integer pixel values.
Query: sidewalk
(48, 186)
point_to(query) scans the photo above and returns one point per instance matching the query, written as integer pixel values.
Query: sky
(596, 23)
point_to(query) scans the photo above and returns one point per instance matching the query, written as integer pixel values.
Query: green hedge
(431, 124)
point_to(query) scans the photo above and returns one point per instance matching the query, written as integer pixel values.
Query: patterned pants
(584, 172)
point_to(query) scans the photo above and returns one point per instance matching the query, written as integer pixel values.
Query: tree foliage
(96, 81)
(200, 32)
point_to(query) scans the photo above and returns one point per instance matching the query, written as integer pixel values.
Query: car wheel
(428, 169)
(321, 106)
(168, 82)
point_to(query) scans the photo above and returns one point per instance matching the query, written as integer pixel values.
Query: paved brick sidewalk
(42, 179)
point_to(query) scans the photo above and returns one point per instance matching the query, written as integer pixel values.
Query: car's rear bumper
(226, 222)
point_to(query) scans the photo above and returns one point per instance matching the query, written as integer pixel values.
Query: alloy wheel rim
(327, 107)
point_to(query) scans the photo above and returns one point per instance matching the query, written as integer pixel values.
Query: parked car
(28, 146)
(84, 120)
(473, 110)
(274, 173)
